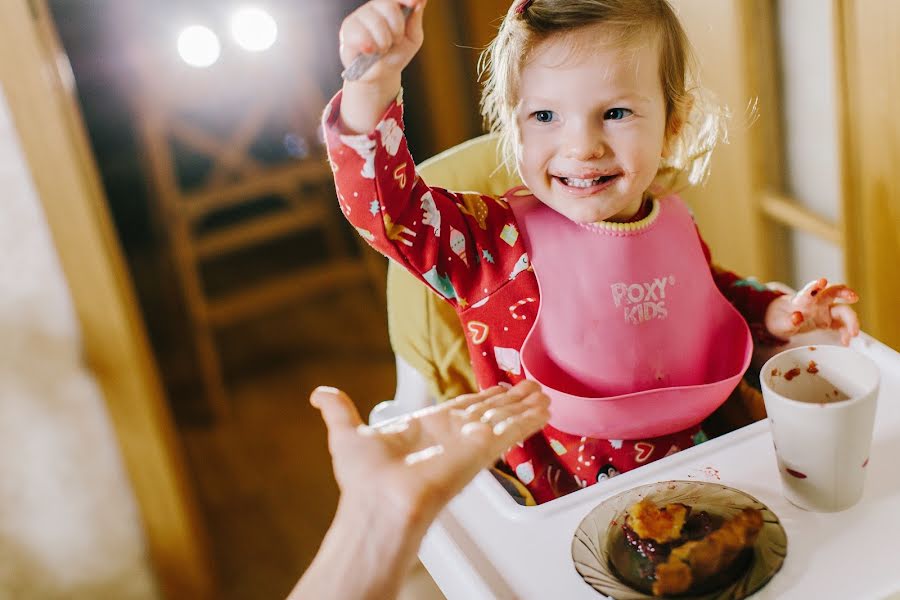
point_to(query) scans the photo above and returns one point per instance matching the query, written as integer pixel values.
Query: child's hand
(816, 306)
(379, 26)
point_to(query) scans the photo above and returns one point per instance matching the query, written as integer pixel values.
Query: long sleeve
(748, 296)
(463, 245)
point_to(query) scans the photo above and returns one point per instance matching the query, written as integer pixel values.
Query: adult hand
(419, 462)
(395, 478)
(816, 306)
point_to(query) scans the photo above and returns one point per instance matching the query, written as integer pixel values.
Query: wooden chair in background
(236, 162)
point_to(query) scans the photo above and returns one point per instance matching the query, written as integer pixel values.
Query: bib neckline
(626, 228)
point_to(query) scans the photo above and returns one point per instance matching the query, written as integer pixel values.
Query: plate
(602, 527)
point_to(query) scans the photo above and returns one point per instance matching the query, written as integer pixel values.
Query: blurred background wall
(69, 525)
(809, 109)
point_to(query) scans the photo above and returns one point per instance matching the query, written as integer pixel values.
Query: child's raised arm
(464, 245)
(377, 26)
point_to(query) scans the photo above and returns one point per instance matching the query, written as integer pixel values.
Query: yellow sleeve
(425, 331)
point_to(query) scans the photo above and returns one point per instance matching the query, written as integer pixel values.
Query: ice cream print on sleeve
(458, 245)
(391, 135)
(430, 214)
(364, 146)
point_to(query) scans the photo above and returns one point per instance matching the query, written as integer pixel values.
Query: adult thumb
(338, 410)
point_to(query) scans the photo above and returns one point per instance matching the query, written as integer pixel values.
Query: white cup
(821, 405)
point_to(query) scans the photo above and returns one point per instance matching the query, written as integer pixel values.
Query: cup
(821, 404)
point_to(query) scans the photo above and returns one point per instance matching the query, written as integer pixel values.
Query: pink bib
(632, 338)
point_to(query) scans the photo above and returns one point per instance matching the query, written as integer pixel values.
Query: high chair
(484, 545)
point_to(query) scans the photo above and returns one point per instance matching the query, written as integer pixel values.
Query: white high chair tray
(484, 545)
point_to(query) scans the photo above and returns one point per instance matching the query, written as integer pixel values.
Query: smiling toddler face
(592, 123)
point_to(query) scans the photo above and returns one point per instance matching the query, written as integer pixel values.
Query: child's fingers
(378, 27)
(835, 293)
(355, 39)
(843, 317)
(807, 295)
(414, 29)
(392, 13)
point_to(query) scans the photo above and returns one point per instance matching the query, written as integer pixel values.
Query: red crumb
(711, 472)
(792, 373)
(812, 367)
(812, 348)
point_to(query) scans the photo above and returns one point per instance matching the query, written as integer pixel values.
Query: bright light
(198, 46)
(254, 29)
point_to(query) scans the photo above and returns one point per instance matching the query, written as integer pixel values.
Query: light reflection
(253, 29)
(198, 46)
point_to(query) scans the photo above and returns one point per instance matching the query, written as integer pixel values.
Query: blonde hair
(695, 122)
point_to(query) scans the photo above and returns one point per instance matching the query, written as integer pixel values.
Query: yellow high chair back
(425, 331)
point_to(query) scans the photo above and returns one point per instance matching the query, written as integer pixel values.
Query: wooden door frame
(869, 257)
(39, 90)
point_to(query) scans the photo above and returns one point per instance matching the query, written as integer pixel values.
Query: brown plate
(600, 532)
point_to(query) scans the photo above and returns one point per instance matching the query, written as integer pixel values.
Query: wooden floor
(264, 478)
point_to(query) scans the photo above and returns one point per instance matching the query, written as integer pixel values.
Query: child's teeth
(575, 182)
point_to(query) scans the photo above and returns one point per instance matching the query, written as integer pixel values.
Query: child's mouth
(580, 185)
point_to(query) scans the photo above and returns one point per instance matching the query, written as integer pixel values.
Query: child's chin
(579, 212)
(586, 216)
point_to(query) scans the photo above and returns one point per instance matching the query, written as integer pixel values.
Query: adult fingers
(515, 394)
(499, 413)
(338, 410)
(519, 427)
(466, 400)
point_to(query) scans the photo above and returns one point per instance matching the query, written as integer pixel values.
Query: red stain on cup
(794, 473)
(865, 463)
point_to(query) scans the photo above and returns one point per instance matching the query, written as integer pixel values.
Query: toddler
(592, 278)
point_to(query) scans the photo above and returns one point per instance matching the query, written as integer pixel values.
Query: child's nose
(584, 143)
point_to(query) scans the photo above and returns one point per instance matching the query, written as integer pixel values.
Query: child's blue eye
(543, 116)
(616, 114)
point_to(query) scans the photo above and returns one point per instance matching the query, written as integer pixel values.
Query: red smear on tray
(796, 474)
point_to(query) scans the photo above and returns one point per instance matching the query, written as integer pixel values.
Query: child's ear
(673, 128)
(675, 123)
